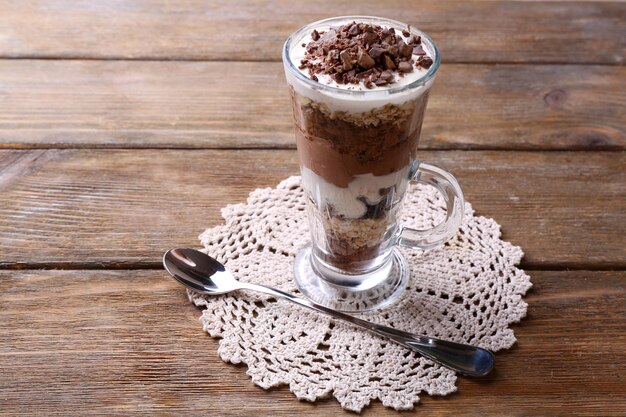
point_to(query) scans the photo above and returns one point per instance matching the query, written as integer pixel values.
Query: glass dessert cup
(358, 154)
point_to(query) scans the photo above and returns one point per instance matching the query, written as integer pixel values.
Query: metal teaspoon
(206, 275)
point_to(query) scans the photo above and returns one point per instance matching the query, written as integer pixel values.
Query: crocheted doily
(468, 290)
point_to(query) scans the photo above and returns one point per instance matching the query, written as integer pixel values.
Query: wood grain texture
(466, 31)
(129, 342)
(127, 104)
(125, 207)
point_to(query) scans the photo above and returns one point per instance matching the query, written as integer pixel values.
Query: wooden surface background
(126, 126)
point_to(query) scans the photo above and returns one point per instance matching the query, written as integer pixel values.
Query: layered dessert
(359, 91)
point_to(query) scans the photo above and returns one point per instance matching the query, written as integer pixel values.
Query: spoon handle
(466, 359)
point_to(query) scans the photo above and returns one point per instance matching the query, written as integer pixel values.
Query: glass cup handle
(447, 185)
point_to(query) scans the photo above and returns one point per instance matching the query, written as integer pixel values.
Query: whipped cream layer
(356, 98)
(345, 200)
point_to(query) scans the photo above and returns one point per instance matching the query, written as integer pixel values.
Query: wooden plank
(121, 207)
(467, 31)
(196, 105)
(128, 342)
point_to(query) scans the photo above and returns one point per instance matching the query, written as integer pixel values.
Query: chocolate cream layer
(339, 147)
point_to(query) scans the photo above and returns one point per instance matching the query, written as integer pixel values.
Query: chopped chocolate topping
(369, 38)
(414, 40)
(386, 75)
(405, 50)
(418, 50)
(426, 62)
(376, 51)
(365, 61)
(405, 67)
(363, 53)
(345, 60)
(389, 63)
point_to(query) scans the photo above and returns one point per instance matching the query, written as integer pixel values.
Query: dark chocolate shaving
(405, 50)
(405, 67)
(414, 40)
(369, 38)
(365, 61)
(426, 62)
(376, 51)
(418, 50)
(389, 64)
(345, 60)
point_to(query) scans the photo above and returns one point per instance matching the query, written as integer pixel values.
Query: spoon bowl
(199, 271)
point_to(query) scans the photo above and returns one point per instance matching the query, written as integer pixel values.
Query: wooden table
(125, 126)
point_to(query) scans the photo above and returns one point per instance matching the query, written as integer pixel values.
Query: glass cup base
(392, 279)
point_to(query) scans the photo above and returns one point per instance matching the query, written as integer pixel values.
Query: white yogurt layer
(345, 200)
(355, 98)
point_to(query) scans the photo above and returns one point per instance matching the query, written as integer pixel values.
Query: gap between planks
(133, 266)
(191, 59)
(117, 147)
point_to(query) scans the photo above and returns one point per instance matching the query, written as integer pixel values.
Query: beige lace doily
(466, 291)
